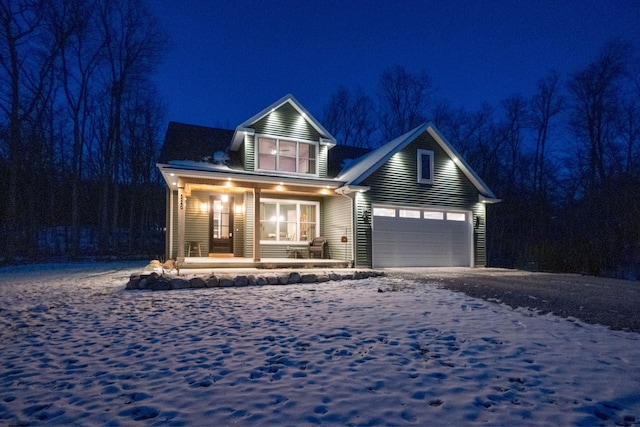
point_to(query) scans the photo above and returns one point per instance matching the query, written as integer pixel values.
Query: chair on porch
(317, 247)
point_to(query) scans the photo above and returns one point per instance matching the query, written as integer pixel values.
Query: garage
(411, 237)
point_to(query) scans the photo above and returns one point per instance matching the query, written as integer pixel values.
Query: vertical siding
(395, 183)
(335, 214)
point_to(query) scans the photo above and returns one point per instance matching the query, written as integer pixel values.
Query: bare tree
(546, 104)
(595, 101)
(350, 117)
(404, 100)
(133, 43)
(80, 48)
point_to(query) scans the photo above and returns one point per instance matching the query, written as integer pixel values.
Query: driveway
(610, 302)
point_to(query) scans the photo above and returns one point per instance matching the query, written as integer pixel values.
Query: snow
(76, 348)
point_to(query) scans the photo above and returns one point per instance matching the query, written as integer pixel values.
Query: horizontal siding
(249, 221)
(323, 158)
(335, 214)
(286, 121)
(363, 230)
(395, 183)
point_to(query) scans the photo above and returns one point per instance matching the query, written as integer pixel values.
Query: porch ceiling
(230, 186)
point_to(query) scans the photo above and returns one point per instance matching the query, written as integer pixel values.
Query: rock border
(159, 282)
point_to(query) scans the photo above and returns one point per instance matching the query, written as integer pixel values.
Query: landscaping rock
(198, 282)
(308, 278)
(154, 281)
(178, 283)
(226, 282)
(241, 281)
(294, 278)
(162, 284)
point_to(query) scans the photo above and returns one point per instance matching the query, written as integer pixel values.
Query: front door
(221, 225)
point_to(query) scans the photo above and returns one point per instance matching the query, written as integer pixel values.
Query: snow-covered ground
(76, 348)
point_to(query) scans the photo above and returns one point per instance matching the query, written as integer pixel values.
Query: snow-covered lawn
(76, 348)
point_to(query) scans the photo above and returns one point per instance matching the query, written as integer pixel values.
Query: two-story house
(259, 194)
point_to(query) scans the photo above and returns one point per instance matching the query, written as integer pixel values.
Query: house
(261, 193)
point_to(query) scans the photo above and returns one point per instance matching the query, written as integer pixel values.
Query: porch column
(256, 225)
(182, 205)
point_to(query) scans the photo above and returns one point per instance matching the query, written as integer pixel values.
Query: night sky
(227, 60)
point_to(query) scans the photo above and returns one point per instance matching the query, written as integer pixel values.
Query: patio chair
(317, 247)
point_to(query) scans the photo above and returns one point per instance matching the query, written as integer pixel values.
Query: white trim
(468, 221)
(422, 179)
(278, 139)
(297, 202)
(238, 136)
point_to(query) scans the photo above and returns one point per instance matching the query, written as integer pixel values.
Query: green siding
(323, 158)
(395, 183)
(335, 222)
(249, 221)
(286, 121)
(363, 230)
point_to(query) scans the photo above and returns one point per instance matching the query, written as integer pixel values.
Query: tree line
(565, 161)
(80, 128)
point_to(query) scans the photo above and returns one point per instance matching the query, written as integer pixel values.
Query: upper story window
(425, 166)
(283, 155)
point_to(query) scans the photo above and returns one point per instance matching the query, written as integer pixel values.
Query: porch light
(224, 198)
(238, 209)
(204, 207)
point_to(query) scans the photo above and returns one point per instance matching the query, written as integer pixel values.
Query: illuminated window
(433, 215)
(452, 216)
(288, 220)
(276, 154)
(425, 167)
(409, 213)
(384, 212)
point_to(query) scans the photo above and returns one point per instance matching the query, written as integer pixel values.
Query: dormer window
(284, 155)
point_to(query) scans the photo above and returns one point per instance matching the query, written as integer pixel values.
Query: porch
(264, 263)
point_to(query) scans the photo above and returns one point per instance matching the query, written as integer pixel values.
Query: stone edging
(159, 282)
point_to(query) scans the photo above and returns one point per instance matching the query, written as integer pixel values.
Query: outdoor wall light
(238, 209)
(204, 207)
(366, 216)
(224, 198)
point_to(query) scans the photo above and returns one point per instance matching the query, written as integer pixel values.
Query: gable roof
(192, 142)
(245, 127)
(358, 172)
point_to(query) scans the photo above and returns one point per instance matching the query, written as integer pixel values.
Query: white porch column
(182, 206)
(256, 225)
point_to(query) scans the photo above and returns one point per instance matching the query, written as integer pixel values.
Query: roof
(192, 142)
(342, 156)
(244, 127)
(358, 172)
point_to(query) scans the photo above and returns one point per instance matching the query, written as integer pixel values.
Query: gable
(367, 165)
(286, 122)
(396, 181)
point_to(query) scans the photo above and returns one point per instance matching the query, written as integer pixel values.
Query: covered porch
(224, 219)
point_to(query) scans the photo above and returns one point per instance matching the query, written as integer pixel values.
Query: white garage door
(409, 237)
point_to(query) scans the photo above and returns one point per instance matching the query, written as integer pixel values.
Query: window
(288, 220)
(409, 213)
(384, 212)
(433, 215)
(276, 154)
(425, 167)
(451, 216)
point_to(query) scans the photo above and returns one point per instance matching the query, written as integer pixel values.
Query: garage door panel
(413, 242)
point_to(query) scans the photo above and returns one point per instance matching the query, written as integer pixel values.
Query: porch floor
(264, 263)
